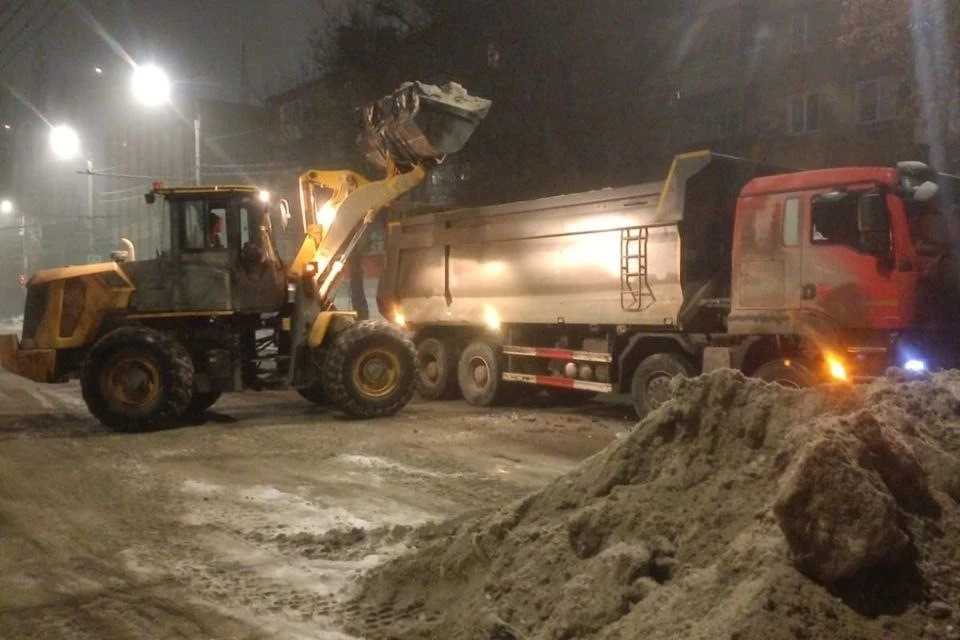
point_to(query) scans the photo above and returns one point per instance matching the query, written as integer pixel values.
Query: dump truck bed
(611, 256)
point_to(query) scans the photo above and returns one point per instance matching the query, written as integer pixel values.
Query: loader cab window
(833, 221)
(204, 227)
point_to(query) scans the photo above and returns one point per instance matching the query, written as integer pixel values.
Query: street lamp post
(151, 87)
(65, 144)
(6, 208)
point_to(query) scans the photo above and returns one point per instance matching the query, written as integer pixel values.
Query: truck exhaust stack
(420, 123)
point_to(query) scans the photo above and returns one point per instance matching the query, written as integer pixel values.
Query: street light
(150, 85)
(64, 142)
(6, 207)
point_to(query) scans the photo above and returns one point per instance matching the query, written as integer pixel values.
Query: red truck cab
(844, 258)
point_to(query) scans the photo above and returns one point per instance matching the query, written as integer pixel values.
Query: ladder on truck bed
(635, 291)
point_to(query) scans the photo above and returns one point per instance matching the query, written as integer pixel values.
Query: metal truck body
(720, 265)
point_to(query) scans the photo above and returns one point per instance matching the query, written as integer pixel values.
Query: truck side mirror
(873, 220)
(926, 192)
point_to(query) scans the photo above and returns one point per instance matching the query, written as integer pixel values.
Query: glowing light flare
(150, 85)
(491, 318)
(326, 214)
(399, 319)
(263, 195)
(915, 366)
(835, 368)
(64, 142)
(6, 207)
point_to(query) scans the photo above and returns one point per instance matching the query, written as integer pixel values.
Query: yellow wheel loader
(156, 341)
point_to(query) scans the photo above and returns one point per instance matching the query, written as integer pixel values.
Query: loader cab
(217, 254)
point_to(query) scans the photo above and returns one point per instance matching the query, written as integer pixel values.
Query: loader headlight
(264, 195)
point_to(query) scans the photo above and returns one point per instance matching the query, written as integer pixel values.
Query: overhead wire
(13, 15)
(32, 36)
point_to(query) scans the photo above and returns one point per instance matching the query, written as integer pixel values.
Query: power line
(37, 32)
(13, 15)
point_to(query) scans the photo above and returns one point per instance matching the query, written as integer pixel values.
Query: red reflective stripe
(562, 383)
(555, 354)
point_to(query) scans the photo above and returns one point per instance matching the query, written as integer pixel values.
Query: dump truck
(793, 277)
(158, 340)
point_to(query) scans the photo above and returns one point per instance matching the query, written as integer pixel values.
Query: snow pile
(738, 511)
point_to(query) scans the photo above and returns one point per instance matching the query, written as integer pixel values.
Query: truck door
(844, 281)
(766, 274)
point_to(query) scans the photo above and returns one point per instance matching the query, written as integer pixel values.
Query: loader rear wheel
(480, 375)
(137, 379)
(370, 370)
(437, 379)
(651, 380)
(200, 402)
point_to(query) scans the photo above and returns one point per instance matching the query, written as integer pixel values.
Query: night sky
(196, 40)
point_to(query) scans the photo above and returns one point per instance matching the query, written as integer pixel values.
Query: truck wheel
(136, 379)
(479, 374)
(794, 374)
(200, 402)
(315, 393)
(370, 370)
(651, 380)
(437, 379)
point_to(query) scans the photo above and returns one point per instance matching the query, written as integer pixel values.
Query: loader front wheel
(137, 379)
(370, 370)
(200, 402)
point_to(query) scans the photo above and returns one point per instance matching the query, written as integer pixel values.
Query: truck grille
(34, 309)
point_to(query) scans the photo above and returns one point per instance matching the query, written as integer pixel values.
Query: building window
(791, 222)
(800, 33)
(875, 100)
(803, 113)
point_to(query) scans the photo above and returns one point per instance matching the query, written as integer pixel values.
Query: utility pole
(91, 244)
(196, 141)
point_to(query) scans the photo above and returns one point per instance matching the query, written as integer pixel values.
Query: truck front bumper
(38, 365)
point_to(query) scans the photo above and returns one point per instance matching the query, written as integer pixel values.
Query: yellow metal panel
(37, 364)
(62, 273)
(178, 314)
(322, 323)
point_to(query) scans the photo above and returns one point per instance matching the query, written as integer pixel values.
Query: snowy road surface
(256, 523)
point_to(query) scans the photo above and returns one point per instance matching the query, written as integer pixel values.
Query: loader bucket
(420, 123)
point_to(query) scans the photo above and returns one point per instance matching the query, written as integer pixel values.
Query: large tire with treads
(200, 402)
(315, 393)
(370, 370)
(137, 379)
(650, 387)
(479, 374)
(437, 378)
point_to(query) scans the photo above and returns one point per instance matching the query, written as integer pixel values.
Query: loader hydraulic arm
(342, 220)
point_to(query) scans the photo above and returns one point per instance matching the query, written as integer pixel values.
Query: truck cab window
(835, 222)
